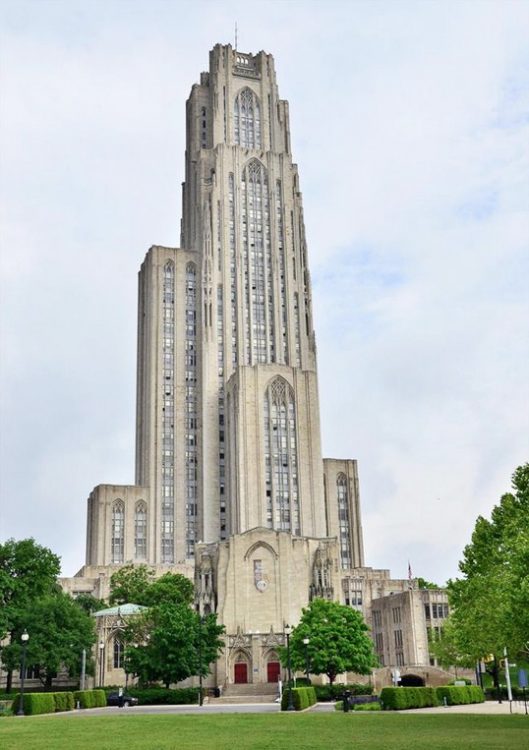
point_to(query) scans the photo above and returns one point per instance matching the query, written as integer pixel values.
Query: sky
(410, 126)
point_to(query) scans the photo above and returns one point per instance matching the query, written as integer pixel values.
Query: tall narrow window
(118, 652)
(118, 531)
(282, 270)
(257, 265)
(281, 460)
(222, 440)
(233, 269)
(167, 419)
(191, 415)
(297, 330)
(247, 119)
(140, 531)
(343, 518)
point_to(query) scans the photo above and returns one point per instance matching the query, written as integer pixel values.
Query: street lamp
(290, 705)
(24, 638)
(306, 642)
(101, 663)
(200, 699)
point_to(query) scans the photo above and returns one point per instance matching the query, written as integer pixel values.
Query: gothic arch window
(257, 265)
(247, 119)
(118, 531)
(191, 409)
(343, 520)
(118, 651)
(140, 531)
(281, 460)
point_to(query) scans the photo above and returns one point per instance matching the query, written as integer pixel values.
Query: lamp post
(290, 705)
(24, 638)
(101, 662)
(306, 642)
(200, 700)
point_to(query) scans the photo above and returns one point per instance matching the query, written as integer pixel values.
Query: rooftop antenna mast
(235, 35)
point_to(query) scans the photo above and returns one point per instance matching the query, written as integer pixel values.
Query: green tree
(422, 583)
(89, 603)
(338, 641)
(171, 643)
(59, 629)
(490, 602)
(447, 650)
(129, 584)
(27, 572)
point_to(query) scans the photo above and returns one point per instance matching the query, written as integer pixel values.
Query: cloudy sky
(410, 125)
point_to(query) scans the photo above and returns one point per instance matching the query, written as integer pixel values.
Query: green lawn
(265, 732)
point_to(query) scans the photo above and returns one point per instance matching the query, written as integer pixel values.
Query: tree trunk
(48, 683)
(9, 680)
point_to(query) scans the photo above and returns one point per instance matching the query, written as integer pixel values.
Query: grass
(265, 732)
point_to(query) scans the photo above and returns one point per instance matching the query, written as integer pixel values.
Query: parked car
(125, 700)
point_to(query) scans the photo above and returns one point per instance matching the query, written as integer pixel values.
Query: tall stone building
(231, 487)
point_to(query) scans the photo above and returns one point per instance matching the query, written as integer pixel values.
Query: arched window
(343, 520)
(247, 119)
(257, 265)
(191, 412)
(281, 460)
(140, 531)
(118, 531)
(118, 652)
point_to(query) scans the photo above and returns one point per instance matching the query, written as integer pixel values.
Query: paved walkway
(489, 707)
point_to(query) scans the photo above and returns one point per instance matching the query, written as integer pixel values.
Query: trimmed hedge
(456, 695)
(36, 703)
(374, 706)
(64, 701)
(491, 693)
(399, 698)
(302, 698)
(334, 692)
(90, 698)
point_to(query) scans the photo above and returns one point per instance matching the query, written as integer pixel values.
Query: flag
(410, 576)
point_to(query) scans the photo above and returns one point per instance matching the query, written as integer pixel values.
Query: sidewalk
(489, 707)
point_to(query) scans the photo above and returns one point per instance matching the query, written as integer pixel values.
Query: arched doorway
(273, 667)
(240, 669)
(411, 680)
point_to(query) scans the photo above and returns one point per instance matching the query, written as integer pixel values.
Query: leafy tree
(172, 588)
(170, 643)
(491, 601)
(338, 641)
(129, 584)
(422, 583)
(89, 603)
(59, 630)
(447, 650)
(27, 572)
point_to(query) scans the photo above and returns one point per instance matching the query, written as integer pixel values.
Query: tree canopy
(338, 641)
(490, 601)
(137, 584)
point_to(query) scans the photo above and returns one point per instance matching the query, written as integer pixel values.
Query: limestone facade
(231, 487)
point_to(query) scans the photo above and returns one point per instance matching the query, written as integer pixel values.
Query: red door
(241, 673)
(273, 671)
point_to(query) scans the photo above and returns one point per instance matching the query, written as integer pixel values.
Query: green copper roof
(122, 609)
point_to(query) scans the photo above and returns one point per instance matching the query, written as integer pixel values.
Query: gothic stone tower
(230, 481)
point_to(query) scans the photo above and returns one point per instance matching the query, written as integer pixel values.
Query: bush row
(158, 696)
(44, 703)
(375, 706)
(332, 692)
(395, 699)
(302, 698)
(90, 698)
(454, 695)
(491, 693)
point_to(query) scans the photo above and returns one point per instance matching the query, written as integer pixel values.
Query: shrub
(36, 703)
(396, 699)
(64, 701)
(158, 696)
(454, 695)
(302, 698)
(335, 692)
(90, 698)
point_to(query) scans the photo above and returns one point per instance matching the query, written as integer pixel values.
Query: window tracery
(247, 119)
(118, 531)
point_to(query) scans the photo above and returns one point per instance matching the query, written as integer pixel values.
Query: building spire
(235, 35)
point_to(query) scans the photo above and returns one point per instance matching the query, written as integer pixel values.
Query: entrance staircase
(250, 693)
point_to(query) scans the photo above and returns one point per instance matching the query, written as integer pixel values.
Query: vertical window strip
(233, 274)
(281, 461)
(343, 519)
(167, 421)
(297, 330)
(282, 271)
(257, 265)
(191, 414)
(118, 532)
(222, 441)
(140, 532)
